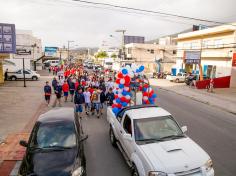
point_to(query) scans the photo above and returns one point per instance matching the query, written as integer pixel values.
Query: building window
(129, 50)
(218, 43)
(152, 51)
(194, 45)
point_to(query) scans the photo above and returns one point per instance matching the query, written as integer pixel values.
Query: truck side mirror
(127, 136)
(23, 143)
(184, 129)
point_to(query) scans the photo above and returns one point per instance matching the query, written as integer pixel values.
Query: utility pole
(69, 41)
(122, 43)
(24, 72)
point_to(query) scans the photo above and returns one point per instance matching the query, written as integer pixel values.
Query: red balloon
(117, 81)
(123, 99)
(116, 96)
(127, 79)
(119, 106)
(120, 75)
(145, 94)
(113, 106)
(146, 86)
(140, 88)
(126, 84)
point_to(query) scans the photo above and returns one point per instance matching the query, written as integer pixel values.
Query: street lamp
(69, 41)
(123, 42)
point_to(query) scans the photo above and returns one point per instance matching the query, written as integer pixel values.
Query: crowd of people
(90, 91)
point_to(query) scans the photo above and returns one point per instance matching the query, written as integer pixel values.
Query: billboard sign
(133, 39)
(7, 38)
(192, 57)
(51, 51)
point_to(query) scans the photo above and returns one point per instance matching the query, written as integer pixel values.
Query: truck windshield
(156, 129)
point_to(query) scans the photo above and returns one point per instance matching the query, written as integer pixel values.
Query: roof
(147, 112)
(58, 114)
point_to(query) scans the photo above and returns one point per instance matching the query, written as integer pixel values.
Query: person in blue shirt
(79, 100)
(58, 92)
(47, 92)
(54, 83)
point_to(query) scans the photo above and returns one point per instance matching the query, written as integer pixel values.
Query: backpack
(95, 97)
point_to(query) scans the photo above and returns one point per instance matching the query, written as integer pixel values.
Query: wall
(19, 65)
(233, 78)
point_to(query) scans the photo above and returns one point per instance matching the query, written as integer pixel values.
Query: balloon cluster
(148, 94)
(122, 93)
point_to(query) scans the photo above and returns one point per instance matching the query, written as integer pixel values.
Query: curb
(195, 99)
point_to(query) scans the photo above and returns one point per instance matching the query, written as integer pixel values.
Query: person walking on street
(96, 102)
(6, 75)
(54, 83)
(87, 97)
(65, 89)
(58, 93)
(102, 98)
(110, 96)
(47, 92)
(72, 89)
(79, 101)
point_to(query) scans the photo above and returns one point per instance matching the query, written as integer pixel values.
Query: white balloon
(120, 90)
(127, 67)
(127, 97)
(126, 88)
(131, 74)
(145, 98)
(114, 101)
(119, 95)
(122, 81)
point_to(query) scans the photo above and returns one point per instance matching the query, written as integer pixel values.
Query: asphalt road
(213, 129)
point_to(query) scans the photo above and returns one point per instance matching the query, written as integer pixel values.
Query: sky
(57, 21)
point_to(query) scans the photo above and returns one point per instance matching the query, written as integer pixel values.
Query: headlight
(157, 174)
(78, 172)
(209, 165)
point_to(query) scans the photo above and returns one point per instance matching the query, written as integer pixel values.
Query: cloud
(56, 21)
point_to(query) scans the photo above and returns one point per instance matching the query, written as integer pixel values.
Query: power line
(150, 11)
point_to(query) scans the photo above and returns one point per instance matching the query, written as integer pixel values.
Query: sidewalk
(19, 108)
(224, 99)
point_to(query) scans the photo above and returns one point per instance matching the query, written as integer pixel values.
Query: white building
(26, 41)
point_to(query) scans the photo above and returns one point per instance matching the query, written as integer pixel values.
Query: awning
(7, 62)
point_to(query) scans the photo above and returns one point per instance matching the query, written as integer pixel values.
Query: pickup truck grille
(193, 172)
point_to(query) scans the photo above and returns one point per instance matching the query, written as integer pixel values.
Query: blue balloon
(144, 89)
(124, 71)
(137, 70)
(154, 96)
(118, 101)
(124, 104)
(141, 68)
(124, 93)
(121, 86)
(115, 110)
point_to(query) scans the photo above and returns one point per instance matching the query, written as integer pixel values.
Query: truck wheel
(177, 80)
(13, 78)
(112, 138)
(135, 171)
(34, 78)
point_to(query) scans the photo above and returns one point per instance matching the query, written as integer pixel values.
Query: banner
(7, 38)
(51, 51)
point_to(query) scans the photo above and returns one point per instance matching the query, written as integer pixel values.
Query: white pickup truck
(29, 74)
(180, 77)
(153, 144)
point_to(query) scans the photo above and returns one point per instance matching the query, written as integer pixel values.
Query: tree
(101, 54)
(113, 56)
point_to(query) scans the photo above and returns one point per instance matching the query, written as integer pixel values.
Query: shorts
(87, 105)
(58, 96)
(65, 94)
(72, 92)
(47, 97)
(78, 108)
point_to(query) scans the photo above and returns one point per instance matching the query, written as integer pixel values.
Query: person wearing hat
(47, 92)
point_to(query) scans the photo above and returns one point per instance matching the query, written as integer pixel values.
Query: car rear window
(55, 134)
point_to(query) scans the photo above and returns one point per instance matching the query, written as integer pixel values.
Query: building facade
(25, 41)
(155, 57)
(207, 52)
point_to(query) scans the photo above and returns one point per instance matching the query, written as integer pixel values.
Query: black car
(55, 146)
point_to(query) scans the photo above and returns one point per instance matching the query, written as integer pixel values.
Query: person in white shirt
(87, 97)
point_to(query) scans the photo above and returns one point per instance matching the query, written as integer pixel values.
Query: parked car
(29, 74)
(180, 77)
(153, 143)
(55, 146)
